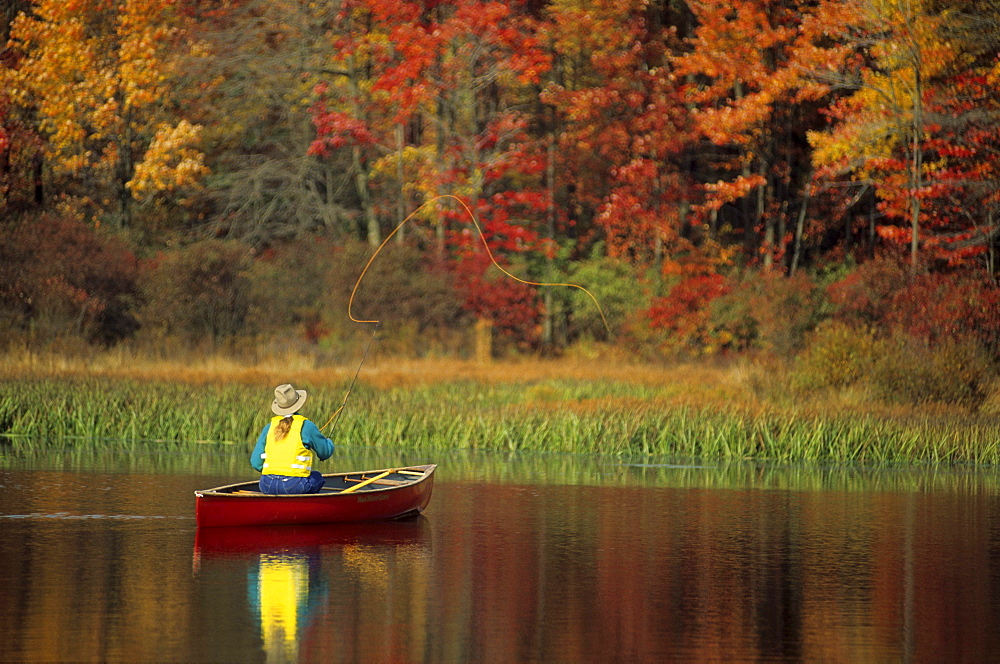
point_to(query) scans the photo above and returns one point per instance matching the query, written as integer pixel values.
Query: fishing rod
(336, 415)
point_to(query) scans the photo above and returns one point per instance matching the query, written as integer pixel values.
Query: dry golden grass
(752, 388)
(401, 373)
(380, 372)
(740, 409)
(196, 368)
(663, 386)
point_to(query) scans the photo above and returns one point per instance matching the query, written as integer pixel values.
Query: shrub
(291, 297)
(685, 311)
(864, 298)
(769, 311)
(952, 308)
(933, 308)
(732, 319)
(786, 310)
(200, 293)
(908, 370)
(406, 288)
(61, 277)
(615, 286)
(836, 356)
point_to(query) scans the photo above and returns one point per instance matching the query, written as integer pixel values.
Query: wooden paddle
(368, 481)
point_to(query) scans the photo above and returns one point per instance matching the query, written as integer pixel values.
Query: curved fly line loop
(489, 252)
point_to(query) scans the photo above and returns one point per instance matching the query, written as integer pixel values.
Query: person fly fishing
(288, 445)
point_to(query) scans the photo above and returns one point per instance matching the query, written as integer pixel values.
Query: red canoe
(371, 495)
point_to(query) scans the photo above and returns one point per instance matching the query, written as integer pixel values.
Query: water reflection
(285, 589)
(306, 584)
(561, 561)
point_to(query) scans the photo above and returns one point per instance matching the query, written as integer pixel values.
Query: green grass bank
(703, 413)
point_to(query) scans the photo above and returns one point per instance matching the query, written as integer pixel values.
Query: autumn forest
(816, 180)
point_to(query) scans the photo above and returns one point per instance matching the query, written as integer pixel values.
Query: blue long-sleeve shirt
(311, 438)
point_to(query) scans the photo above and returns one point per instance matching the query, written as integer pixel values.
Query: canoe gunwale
(230, 490)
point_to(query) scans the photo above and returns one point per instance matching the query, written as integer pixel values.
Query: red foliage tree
(426, 94)
(445, 79)
(621, 125)
(513, 307)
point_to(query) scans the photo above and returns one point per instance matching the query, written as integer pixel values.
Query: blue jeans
(282, 484)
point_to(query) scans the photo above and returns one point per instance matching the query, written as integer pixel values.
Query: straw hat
(287, 400)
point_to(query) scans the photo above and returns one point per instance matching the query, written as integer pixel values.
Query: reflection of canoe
(250, 542)
(370, 495)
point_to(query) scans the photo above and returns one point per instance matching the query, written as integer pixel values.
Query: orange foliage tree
(750, 74)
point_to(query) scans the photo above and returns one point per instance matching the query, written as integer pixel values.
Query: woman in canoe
(288, 445)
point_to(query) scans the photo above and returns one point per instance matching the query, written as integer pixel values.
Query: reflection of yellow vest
(287, 456)
(284, 588)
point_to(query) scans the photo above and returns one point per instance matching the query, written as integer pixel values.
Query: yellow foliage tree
(881, 127)
(98, 76)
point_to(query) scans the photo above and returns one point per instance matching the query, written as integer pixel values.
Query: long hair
(282, 428)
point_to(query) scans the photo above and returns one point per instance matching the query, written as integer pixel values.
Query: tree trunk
(550, 224)
(768, 219)
(441, 145)
(372, 230)
(401, 177)
(361, 176)
(916, 176)
(484, 340)
(800, 229)
(124, 171)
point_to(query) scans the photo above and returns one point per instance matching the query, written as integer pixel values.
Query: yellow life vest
(287, 456)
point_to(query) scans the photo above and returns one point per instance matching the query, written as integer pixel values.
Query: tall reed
(559, 415)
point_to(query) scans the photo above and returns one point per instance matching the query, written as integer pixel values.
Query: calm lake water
(519, 558)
